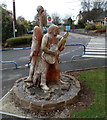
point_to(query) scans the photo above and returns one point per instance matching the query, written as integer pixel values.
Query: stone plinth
(35, 99)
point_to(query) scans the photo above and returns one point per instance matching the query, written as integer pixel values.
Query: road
(21, 57)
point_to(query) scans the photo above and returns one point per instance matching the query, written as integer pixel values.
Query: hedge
(100, 27)
(18, 41)
(95, 27)
(90, 27)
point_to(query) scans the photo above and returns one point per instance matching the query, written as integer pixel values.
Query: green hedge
(100, 27)
(94, 27)
(90, 27)
(18, 41)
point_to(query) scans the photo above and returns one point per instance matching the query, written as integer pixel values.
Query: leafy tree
(80, 24)
(7, 24)
(69, 21)
(56, 19)
(86, 5)
(30, 25)
(22, 25)
(93, 9)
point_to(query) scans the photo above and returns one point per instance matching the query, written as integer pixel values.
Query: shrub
(90, 27)
(18, 41)
(100, 30)
(95, 27)
(100, 27)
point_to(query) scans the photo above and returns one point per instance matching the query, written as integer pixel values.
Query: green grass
(80, 29)
(95, 81)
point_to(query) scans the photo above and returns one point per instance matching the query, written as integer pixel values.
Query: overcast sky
(27, 8)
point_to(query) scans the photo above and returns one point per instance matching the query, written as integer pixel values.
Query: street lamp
(14, 18)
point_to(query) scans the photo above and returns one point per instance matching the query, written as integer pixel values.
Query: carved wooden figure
(36, 41)
(52, 45)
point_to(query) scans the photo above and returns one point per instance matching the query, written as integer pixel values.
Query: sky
(27, 8)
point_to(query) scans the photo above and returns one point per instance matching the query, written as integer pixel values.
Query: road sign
(49, 18)
(67, 28)
(106, 19)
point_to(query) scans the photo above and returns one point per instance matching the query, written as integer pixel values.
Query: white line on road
(99, 48)
(104, 50)
(103, 53)
(102, 43)
(64, 53)
(94, 56)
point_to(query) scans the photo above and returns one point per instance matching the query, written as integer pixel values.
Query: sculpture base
(35, 99)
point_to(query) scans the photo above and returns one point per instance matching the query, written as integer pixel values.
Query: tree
(55, 18)
(7, 24)
(21, 20)
(69, 21)
(86, 5)
(22, 25)
(93, 9)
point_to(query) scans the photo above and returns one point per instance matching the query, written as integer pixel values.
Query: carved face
(53, 30)
(40, 10)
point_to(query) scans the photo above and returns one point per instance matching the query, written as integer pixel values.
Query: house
(79, 17)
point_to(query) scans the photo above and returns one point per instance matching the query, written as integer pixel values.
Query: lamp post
(14, 18)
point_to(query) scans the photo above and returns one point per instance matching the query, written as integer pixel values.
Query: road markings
(64, 53)
(96, 53)
(101, 50)
(95, 56)
(96, 48)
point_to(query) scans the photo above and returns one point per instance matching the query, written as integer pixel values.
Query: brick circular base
(58, 97)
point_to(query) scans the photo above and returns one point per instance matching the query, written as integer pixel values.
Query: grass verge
(95, 81)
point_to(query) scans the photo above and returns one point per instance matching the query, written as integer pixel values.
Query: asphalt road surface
(10, 74)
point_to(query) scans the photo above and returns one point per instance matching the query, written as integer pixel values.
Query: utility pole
(14, 18)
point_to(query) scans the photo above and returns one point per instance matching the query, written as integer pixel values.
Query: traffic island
(33, 98)
(34, 102)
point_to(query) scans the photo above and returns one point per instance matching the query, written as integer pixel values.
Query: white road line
(94, 56)
(96, 50)
(98, 53)
(99, 48)
(64, 53)
(96, 46)
(97, 43)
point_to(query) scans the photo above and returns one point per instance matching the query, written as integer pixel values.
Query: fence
(78, 45)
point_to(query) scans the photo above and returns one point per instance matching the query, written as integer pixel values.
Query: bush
(95, 27)
(100, 27)
(100, 31)
(18, 41)
(90, 27)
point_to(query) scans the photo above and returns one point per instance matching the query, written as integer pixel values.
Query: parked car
(30, 32)
(45, 29)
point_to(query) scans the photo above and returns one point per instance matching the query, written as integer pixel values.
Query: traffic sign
(49, 18)
(67, 28)
(106, 19)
